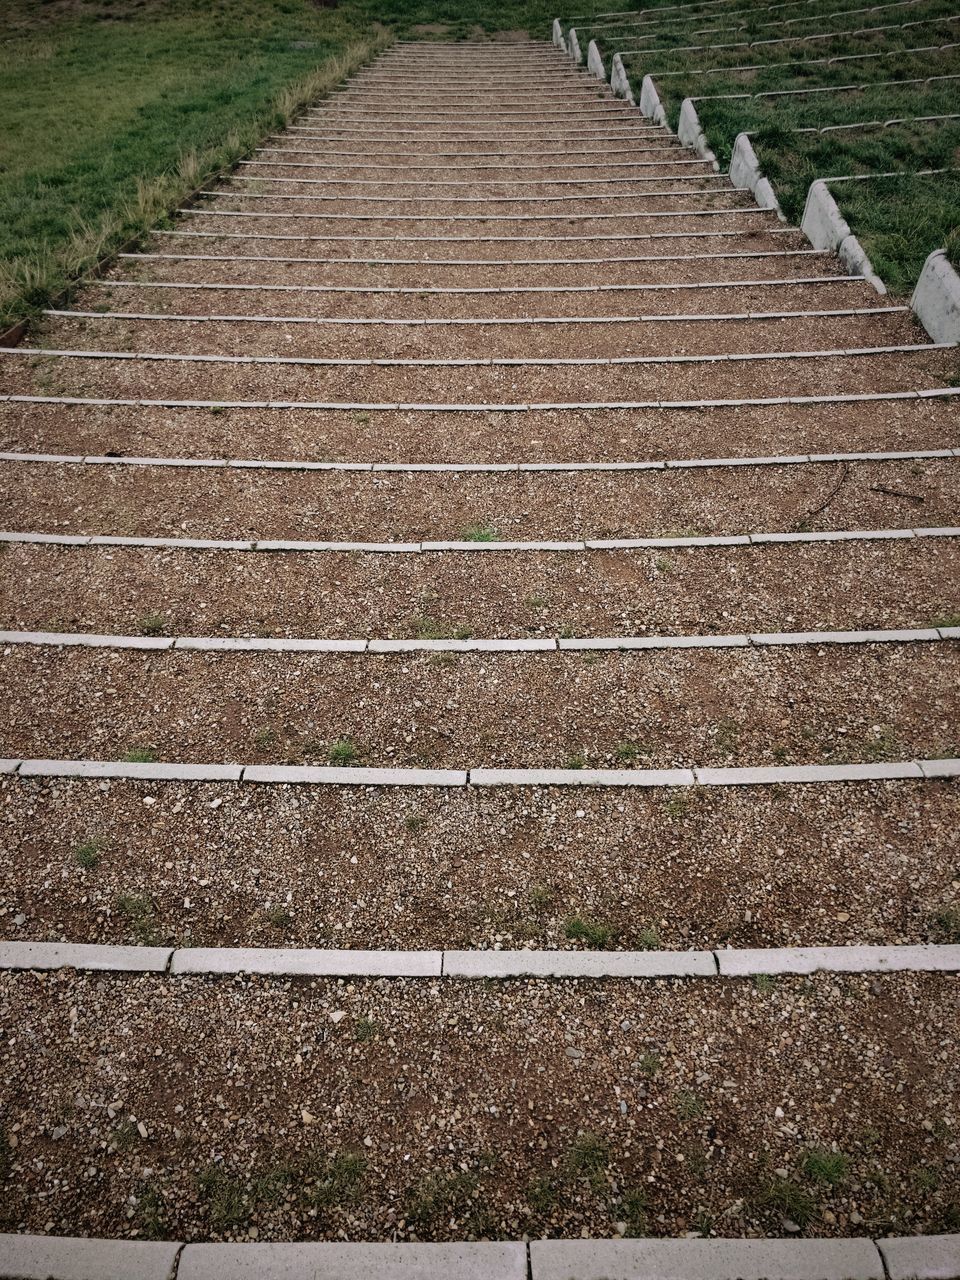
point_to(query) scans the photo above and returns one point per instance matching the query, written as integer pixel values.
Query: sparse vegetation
(140, 913)
(480, 533)
(830, 1167)
(153, 624)
(593, 932)
(87, 855)
(343, 752)
(945, 924)
(139, 755)
(789, 1199)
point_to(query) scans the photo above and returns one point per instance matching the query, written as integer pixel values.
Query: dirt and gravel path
(470, 265)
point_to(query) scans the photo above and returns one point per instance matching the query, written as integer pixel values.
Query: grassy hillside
(114, 109)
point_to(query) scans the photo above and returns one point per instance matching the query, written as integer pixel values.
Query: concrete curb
(746, 174)
(475, 468)
(306, 775)
(558, 39)
(936, 299)
(650, 104)
(573, 47)
(552, 644)
(705, 1260)
(33, 1257)
(690, 132)
(273, 546)
(477, 964)
(620, 81)
(826, 228)
(595, 61)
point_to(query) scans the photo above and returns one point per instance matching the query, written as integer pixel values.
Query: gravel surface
(386, 1110)
(226, 865)
(367, 506)
(652, 708)
(565, 435)
(792, 587)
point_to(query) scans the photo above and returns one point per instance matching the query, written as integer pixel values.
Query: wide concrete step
(666, 269)
(388, 1050)
(351, 506)
(217, 381)
(820, 290)
(427, 868)
(488, 248)
(549, 337)
(656, 709)
(743, 589)
(823, 425)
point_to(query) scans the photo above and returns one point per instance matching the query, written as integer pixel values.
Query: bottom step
(236, 1108)
(910, 1258)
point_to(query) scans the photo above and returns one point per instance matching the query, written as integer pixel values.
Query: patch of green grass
(543, 1194)
(480, 533)
(343, 752)
(945, 923)
(576, 761)
(140, 913)
(688, 1104)
(647, 939)
(635, 1210)
(593, 932)
(765, 983)
(336, 1180)
(829, 1167)
(948, 619)
(588, 1158)
(139, 755)
(222, 1193)
(87, 855)
(365, 1029)
(152, 624)
(677, 804)
(649, 1064)
(628, 752)
(788, 1198)
(151, 1214)
(541, 897)
(440, 1197)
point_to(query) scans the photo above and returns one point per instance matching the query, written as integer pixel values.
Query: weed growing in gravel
(676, 804)
(648, 939)
(480, 533)
(264, 737)
(765, 983)
(151, 1214)
(789, 1199)
(663, 565)
(592, 932)
(635, 1213)
(576, 761)
(649, 1064)
(87, 855)
(726, 736)
(139, 913)
(414, 822)
(364, 1029)
(543, 1195)
(342, 752)
(125, 1135)
(438, 1197)
(829, 1167)
(925, 1178)
(541, 897)
(588, 1158)
(628, 752)
(945, 923)
(139, 755)
(223, 1194)
(276, 917)
(689, 1105)
(152, 624)
(336, 1180)
(946, 620)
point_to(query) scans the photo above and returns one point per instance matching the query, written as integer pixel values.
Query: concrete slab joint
(936, 299)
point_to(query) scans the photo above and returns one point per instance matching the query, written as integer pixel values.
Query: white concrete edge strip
(670, 287)
(679, 317)
(640, 214)
(474, 468)
(319, 775)
(624, 237)
(546, 644)
(414, 548)
(495, 362)
(468, 262)
(482, 964)
(826, 228)
(859, 397)
(936, 299)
